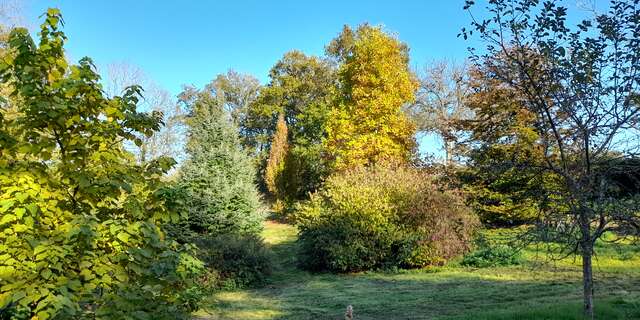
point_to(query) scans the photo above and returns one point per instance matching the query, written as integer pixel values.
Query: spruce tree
(217, 180)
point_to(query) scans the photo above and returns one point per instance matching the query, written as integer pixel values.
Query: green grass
(534, 290)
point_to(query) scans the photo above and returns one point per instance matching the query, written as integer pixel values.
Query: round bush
(234, 261)
(379, 217)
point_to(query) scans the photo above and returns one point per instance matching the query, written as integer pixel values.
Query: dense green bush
(235, 261)
(383, 216)
(80, 221)
(493, 256)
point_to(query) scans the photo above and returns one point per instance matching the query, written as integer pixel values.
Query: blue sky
(190, 42)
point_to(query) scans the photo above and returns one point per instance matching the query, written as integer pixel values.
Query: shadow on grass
(450, 293)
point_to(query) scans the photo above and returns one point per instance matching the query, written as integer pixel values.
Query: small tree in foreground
(582, 86)
(79, 220)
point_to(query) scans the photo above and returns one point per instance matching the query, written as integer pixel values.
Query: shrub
(379, 217)
(493, 256)
(235, 261)
(80, 234)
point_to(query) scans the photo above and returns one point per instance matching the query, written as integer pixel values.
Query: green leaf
(33, 208)
(46, 273)
(123, 236)
(20, 212)
(6, 204)
(7, 218)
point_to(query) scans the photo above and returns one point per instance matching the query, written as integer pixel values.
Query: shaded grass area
(530, 291)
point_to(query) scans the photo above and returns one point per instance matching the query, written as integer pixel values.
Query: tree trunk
(587, 280)
(448, 150)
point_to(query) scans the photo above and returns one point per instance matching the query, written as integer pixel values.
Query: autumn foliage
(367, 124)
(277, 157)
(382, 216)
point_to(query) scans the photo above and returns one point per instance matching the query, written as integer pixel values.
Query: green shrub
(381, 217)
(492, 256)
(80, 221)
(234, 261)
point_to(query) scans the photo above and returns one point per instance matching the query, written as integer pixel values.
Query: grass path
(522, 292)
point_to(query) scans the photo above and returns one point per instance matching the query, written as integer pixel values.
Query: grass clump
(499, 255)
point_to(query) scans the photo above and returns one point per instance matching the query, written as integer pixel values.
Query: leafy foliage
(502, 142)
(580, 84)
(301, 89)
(236, 92)
(235, 261)
(217, 181)
(492, 255)
(79, 235)
(382, 216)
(276, 163)
(367, 124)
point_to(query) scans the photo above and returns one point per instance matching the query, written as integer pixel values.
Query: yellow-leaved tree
(276, 161)
(367, 124)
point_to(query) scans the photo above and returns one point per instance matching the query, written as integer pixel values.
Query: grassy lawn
(533, 290)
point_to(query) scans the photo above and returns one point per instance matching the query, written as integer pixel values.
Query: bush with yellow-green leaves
(79, 220)
(381, 217)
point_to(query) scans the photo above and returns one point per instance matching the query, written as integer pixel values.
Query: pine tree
(277, 158)
(367, 124)
(217, 181)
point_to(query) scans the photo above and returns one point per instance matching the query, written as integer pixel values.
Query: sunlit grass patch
(537, 289)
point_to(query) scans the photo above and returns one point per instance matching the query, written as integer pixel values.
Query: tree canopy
(79, 232)
(366, 124)
(579, 85)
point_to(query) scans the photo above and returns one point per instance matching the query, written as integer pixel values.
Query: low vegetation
(381, 217)
(537, 288)
(234, 261)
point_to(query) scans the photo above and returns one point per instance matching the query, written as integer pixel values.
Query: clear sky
(190, 42)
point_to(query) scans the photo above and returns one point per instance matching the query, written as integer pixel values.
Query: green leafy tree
(501, 142)
(217, 179)
(301, 88)
(236, 92)
(79, 235)
(581, 84)
(367, 123)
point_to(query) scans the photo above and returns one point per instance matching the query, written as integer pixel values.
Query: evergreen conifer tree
(217, 180)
